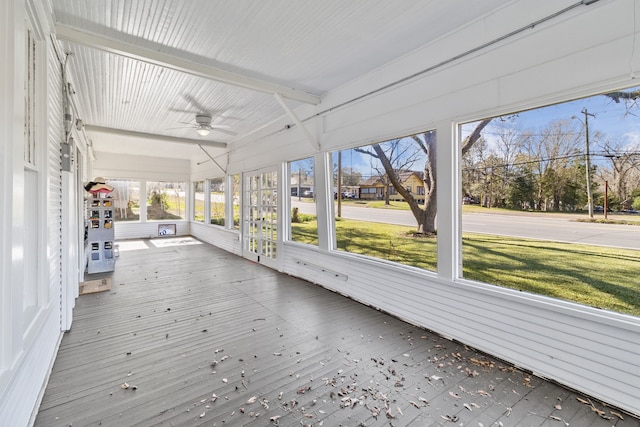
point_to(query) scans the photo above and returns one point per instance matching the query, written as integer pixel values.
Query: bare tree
(624, 161)
(395, 156)
(426, 145)
(473, 173)
(350, 176)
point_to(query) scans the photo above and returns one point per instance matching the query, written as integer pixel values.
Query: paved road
(556, 228)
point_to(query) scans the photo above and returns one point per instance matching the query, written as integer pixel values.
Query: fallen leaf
(202, 415)
(617, 414)
(375, 412)
(389, 414)
(558, 407)
(466, 405)
(581, 400)
(455, 396)
(124, 386)
(252, 399)
(414, 404)
(224, 380)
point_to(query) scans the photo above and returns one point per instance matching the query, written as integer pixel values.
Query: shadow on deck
(192, 335)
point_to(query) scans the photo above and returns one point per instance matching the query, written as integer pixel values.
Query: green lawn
(596, 276)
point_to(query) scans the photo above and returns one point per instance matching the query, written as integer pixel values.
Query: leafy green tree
(159, 199)
(522, 193)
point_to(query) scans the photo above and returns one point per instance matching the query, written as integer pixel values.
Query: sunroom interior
(223, 105)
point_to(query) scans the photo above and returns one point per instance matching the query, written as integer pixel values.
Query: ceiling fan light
(203, 131)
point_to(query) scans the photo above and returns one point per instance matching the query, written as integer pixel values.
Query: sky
(618, 122)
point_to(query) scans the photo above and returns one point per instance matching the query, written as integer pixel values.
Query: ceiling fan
(203, 119)
(203, 126)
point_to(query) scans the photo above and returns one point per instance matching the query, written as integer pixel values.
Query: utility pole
(339, 184)
(606, 198)
(588, 160)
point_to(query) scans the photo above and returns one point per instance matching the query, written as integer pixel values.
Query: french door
(260, 216)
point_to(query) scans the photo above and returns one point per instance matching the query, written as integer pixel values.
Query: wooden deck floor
(192, 335)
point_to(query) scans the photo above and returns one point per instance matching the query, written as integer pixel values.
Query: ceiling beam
(144, 135)
(173, 62)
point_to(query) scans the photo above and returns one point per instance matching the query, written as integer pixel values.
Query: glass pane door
(260, 216)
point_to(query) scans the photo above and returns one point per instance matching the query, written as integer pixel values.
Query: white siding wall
(28, 350)
(584, 51)
(228, 240)
(147, 230)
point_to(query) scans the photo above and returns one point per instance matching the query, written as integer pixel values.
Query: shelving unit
(100, 235)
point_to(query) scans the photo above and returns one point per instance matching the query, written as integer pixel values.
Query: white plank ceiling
(150, 66)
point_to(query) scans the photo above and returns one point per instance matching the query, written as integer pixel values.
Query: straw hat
(98, 185)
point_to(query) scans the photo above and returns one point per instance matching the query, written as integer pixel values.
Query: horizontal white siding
(146, 230)
(228, 240)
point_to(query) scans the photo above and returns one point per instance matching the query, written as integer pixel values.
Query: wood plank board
(93, 286)
(186, 322)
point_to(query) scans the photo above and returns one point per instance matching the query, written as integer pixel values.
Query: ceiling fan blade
(195, 103)
(223, 130)
(181, 127)
(178, 110)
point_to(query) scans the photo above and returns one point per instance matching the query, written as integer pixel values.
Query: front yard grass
(592, 275)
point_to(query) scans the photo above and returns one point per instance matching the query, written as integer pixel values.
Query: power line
(549, 159)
